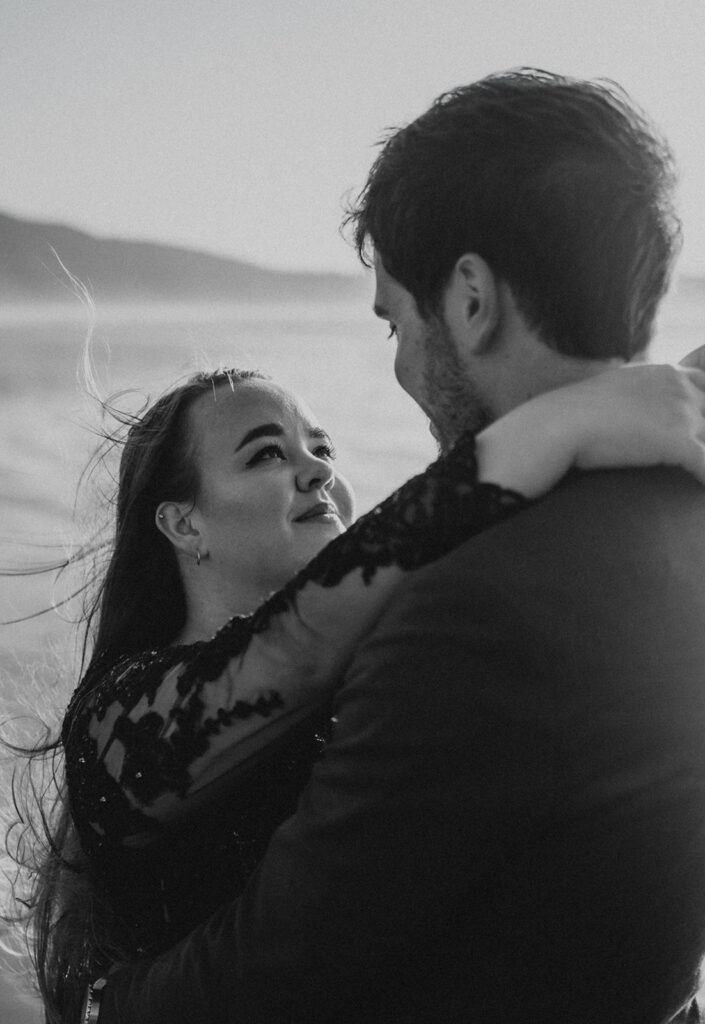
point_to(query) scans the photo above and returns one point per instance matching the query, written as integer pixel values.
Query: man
(509, 822)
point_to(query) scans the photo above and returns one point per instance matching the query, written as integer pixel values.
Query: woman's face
(269, 498)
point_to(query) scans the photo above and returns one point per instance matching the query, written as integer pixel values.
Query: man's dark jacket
(509, 823)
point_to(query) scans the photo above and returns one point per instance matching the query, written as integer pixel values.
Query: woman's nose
(315, 473)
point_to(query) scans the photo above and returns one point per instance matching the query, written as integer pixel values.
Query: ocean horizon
(336, 356)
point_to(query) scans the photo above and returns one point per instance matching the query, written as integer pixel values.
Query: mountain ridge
(116, 270)
(124, 270)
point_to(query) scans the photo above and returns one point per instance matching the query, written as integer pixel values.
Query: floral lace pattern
(138, 733)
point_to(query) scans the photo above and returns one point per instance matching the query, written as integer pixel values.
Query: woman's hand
(695, 359)
(638, 415)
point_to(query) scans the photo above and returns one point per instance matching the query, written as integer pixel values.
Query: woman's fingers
(695, 398)
(695, 375)
(692, 368)
(694, 460)
(695, 359)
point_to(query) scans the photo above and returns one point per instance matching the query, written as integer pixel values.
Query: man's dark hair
(560, 185)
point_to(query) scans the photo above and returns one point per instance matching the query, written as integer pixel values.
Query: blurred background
(188, 161)
(236, 127)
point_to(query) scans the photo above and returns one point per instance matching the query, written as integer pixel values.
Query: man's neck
(529, 368)
(519, 365)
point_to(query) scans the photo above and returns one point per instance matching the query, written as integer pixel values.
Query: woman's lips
(322, 511)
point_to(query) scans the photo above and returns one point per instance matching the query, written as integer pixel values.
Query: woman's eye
(270, 451)
(325, 451)
(392, 331)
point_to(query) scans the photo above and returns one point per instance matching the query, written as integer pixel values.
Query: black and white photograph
(352, 512)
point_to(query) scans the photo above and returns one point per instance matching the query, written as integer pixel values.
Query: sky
(239, 127)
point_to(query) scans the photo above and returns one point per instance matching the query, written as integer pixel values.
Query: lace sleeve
(155, 734)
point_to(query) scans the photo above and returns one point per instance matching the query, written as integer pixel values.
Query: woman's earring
(198, 557)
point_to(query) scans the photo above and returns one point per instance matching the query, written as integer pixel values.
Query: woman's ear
(174, 520)
(471, 304)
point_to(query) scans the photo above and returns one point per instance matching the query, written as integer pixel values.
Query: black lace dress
(181, 762)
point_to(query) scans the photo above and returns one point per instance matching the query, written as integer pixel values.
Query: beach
(337, 357)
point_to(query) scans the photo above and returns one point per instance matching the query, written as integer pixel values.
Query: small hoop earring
(198, 557)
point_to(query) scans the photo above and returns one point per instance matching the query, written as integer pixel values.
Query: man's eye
(270, 451)
(392, 331)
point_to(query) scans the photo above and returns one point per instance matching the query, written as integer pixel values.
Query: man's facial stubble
(453, 399)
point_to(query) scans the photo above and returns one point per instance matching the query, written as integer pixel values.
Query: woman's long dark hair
(140, 602)
(133, 603)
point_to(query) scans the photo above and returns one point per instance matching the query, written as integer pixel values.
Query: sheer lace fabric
(182, 761)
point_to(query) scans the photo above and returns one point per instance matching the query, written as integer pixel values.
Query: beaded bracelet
(91, 1004)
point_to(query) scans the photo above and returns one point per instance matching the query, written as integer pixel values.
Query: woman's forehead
(249, 404)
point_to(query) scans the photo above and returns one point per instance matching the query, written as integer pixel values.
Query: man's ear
(471, 303)
(175, 521)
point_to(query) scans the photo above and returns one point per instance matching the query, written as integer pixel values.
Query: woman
(194, 728)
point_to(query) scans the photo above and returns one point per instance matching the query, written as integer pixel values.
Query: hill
(116, 270)
(689, 287)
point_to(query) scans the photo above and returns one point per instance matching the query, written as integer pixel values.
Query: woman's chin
(318, 534)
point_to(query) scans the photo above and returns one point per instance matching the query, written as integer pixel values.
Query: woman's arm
(637, 415)
(159, 731)
(154, 733)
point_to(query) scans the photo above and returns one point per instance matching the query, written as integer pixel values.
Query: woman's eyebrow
(319, 432)
(264, 430)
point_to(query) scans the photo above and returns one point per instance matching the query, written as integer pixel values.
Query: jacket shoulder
(594, 551)
(589, 518)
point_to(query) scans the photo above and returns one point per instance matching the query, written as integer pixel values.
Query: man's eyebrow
(264, 430)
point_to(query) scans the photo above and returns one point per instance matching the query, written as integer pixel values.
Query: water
(336, 357)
